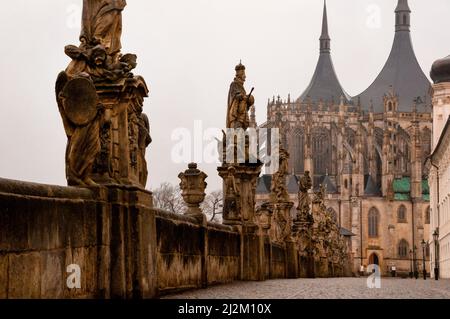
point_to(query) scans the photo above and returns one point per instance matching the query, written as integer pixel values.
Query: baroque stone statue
(239, 103)
(102, 24)
(82, 118)
(100, 102)
(279, 192)
(305, 184)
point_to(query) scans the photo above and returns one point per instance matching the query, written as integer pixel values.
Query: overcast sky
(187, 51)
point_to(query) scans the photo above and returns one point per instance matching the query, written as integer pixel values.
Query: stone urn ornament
(193, 185)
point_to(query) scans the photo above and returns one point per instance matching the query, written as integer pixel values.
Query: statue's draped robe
(237, 106)
(102, 21)
(84, 147)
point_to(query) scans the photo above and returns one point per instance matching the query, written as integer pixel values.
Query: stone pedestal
(245, 178)
(281, 229)
(321, 267)
(252, 253)
(281, 233)
(292, 260)
(239, 210)
(123, 142)
(132, 241)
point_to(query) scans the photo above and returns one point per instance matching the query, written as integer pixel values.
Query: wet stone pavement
(329, 288)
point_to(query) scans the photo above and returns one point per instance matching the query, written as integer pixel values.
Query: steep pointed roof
(325, 84)
(328, 183)
(402, 6)
(263, 186)
(371, 188)
(402, 71)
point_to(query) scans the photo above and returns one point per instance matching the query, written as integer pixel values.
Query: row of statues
(313, 228)
(101, 104)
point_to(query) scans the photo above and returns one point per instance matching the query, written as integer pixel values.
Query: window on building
(405, 19)
(297, 151)
(428, 216)
(401, 214)
(390, 106)
(321, 148)
(403, 248)
(374, 218)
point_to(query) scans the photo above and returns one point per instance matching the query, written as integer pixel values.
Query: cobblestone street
(334, 288)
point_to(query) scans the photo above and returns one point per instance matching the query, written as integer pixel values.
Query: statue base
(239, 208)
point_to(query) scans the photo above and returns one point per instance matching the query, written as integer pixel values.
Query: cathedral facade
(369, 151)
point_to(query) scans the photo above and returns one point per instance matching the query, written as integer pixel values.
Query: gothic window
(390, 106)
(426, 142)
(401, 214)
(403, 152)
(351, 137)
(374, 217)
(298, 151)
(428, 216)
(321, 150)
(405, 19)
(403, 248)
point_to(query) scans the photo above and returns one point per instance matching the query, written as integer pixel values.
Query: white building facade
(439, 179)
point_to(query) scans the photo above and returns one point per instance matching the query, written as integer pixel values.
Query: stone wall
(107, 232)
(278, 262)
(123, 246)
(192, 255)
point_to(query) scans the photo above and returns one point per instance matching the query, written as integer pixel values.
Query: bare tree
(212, 205)
(168, 197)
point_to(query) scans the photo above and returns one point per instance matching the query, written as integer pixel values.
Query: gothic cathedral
(369, 151)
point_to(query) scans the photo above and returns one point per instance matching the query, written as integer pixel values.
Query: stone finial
(193, 185)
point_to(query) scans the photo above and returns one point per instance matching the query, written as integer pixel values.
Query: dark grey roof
(292, 184)
(329, 184)
(402, 72)
(325, 84)
(263, 186)
(371, 188)
(346, 232)
(264, 183)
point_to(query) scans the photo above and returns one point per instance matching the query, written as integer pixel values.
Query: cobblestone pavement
(333, 288)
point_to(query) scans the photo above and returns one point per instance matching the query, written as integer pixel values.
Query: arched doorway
(373, 259)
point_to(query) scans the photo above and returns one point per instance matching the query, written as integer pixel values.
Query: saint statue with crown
(239, 103)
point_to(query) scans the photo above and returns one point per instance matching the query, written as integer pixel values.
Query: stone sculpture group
(101, 104)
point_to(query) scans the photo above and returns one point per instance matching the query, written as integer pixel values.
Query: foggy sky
(187, 51)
